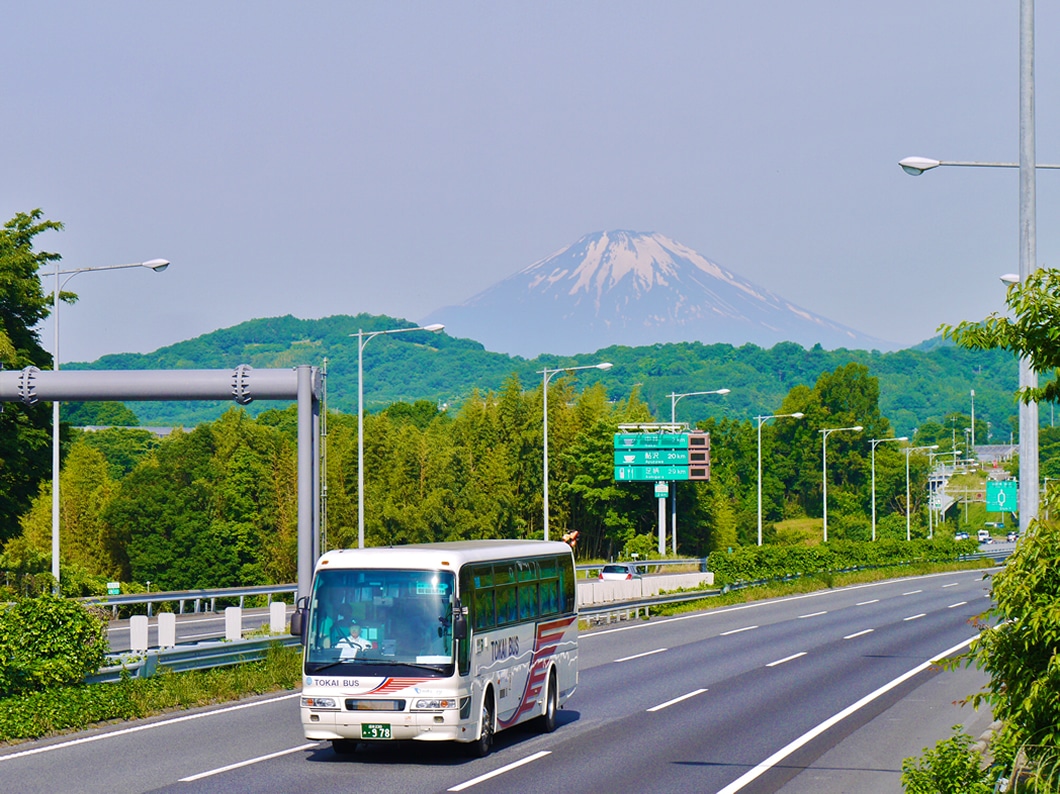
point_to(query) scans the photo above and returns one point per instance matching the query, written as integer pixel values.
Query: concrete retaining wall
(592, 592)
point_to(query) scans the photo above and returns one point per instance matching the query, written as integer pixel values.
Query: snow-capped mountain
(633, 288)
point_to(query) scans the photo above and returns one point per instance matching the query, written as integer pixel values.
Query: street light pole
(674, 400)
(908, 450)
(547, 376)
(874, 442)
(1028, 378)
(362, 340)
(824, 469)
(761, 421)
(157, 265)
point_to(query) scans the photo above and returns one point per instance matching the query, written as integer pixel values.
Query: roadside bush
(1018, 647)
(48, 642)
(952, 767)
(768, 563)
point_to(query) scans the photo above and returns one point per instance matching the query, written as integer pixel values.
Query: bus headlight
(319, 703)
(433, 704)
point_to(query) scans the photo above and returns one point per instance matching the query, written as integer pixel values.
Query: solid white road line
(668, 703)
(858, 634)
(501, 771)
(786, 659)
(641, 655)
(737, 631)
(810, 735)
(248, 762)
(146, 727)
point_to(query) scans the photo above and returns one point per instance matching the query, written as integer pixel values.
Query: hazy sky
(335, 158)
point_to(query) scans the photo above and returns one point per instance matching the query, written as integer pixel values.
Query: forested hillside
(916, 386)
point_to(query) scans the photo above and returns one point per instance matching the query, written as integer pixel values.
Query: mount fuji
(635, 289)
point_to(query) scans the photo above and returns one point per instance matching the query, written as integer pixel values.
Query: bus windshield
(362, 619)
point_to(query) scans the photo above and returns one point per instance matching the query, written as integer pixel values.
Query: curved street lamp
(547, 375)
(908, 450)
(874, 442)
(761, 421)
(157, 265)
(674, 400)
(362, 340)
(1028, 378)
(824, 468)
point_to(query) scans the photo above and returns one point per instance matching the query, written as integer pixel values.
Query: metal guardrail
(200, 656)
(182, 597)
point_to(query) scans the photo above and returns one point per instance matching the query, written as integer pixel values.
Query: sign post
(661, 454)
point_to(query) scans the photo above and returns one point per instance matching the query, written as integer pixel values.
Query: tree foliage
(24, 431)
(48, 642)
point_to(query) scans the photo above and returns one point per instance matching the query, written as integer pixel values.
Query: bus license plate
(375, 730)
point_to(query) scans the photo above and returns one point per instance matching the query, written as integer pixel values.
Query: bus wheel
(482, 747)
(344, 746)
(547, 721)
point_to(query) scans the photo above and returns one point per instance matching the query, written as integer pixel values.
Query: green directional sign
(651, 440)
(643, 473)
(1002, 496)
(651, 457)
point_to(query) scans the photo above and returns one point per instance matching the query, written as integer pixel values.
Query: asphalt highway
(751, 698)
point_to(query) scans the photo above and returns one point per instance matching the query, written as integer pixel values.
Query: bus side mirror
(459, 621)
(298, 619)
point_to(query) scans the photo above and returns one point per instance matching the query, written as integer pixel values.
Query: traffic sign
(649, 473)
(662, 490)
(1002, 496)
(651, 440)
(651, 457)
(662, 456)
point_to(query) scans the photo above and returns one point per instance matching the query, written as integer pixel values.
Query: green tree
(24, 431)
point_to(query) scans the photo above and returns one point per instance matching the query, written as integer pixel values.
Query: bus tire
(547, 721)
(481, 747)
(344, 746)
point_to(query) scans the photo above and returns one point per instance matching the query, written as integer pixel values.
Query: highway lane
(690, 703)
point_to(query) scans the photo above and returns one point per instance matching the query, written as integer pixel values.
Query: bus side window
(507, 608)
(483, 616)
(568, 586)
(549, 597)
(528, 601)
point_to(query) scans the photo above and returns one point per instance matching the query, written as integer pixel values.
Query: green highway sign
(648, 473)
(651, 457)
(1002, 496)
(651, 440)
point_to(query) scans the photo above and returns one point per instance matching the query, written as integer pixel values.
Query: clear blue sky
(391, 158)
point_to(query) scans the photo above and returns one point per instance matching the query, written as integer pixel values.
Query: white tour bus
(437, 642)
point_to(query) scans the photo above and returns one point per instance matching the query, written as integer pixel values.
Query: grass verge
(37, 714)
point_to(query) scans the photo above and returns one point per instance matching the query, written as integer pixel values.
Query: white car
(619, 571)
